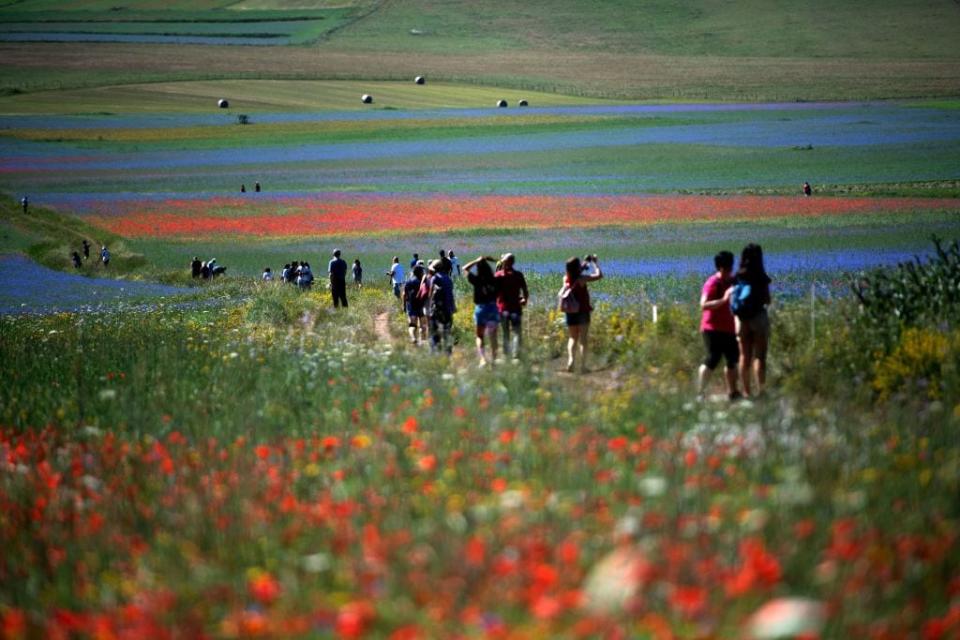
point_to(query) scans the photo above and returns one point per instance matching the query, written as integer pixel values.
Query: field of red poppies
(259, 215)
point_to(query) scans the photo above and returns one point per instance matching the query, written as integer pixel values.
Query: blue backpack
(745, 300)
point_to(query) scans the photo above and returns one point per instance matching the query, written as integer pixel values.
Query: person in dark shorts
(337, 269)
(578, 324)
(512, 296)
(441, 305)
(753, 323)
(413, 304)
(717, 326)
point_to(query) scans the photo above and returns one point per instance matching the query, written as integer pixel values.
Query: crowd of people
(734, 322)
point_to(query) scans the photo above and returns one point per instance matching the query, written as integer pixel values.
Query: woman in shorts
(485, 306)
(578, 324)
(753, 330)
(413, 303)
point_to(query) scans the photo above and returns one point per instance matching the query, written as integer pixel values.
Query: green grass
(699, 50)
(253, 96)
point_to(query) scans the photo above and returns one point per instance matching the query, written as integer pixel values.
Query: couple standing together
(735, 324)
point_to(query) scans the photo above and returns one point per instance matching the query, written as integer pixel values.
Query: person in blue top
(338, 279)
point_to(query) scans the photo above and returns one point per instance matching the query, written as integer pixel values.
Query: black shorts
(719, 345)
(578, 319)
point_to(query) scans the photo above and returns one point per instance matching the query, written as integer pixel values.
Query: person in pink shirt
(717, 326)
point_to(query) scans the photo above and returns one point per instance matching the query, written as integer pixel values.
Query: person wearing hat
(337, 270)
(512, 296)
(440, 307)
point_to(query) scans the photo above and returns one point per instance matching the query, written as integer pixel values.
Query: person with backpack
(574, 299)
(485, 306)
(717, 326)
(441, 306)
(512, 296)
(413, 303)
(749, 298)
(337, 269)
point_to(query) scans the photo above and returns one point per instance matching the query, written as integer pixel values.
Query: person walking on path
(807, 189)
(256, 187)
(512, 296)
(25, 203)
(337, 270)
(578, 322)
(748, 301)
(414, 260)
(441, 306)
(717, 326)
(357, 273)
(413, 304)
(86, 249)
(455, 261)
(485, 306)
(75, 256)
(105, 256)
(396, 276)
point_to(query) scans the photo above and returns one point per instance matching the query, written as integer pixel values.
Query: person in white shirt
(396, 276)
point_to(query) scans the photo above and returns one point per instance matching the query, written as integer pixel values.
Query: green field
(653, 50)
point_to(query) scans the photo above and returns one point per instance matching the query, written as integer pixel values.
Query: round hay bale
(523, 103)
(420, 80)
(223, 104)
(366, 98)
(501, 103)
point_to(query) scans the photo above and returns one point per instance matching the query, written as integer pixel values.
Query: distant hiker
(86, 249)
(195, 266)
(748, 302)
(512, 296)
(415, 260)
(243, 188)
(204, 271)
(256, 187)
(807, 189)
(441, 306)
(105, 256)
(25, 203)
(485, 307)
(337, 269)
(396, 275)
(76, 259)
(445, 263)
(305, 277)
(717, 326)
(456, 264)
(357, 273)
(574, 300)
(285, 273)
(413, 304)
(267, 275)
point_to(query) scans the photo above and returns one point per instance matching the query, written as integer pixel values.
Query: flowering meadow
(272, 468)
(235, 459)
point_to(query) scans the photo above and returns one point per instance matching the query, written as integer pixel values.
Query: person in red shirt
(717, 326)
(512, 296)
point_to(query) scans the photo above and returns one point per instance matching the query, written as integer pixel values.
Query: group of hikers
(734, 322)
(78, 260)
(206, 269)
(500, 294)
